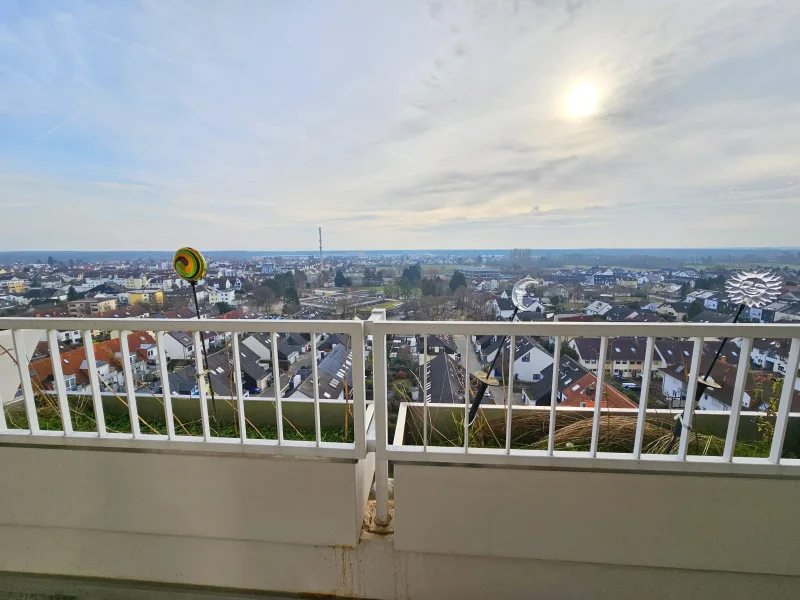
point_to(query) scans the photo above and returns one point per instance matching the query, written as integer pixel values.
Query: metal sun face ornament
(189, 264)
(754, 289)
(521, 289)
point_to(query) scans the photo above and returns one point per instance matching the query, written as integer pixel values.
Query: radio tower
(321, 264)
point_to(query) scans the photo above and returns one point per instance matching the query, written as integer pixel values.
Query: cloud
(434, 125)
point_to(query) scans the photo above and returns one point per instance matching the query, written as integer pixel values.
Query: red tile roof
(576, 393)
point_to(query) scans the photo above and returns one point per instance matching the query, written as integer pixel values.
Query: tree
(50, 260)
(479, 259)
(413, 273)
(223, 307)
(458, 280)
(341, 281)
(695, 308)
(428, 286)
(291, 301)
(274, 286)
(71, 293)
(406, 288)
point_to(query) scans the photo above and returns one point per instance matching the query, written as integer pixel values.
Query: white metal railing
(594, 459)
(139, 438)
(378, 328)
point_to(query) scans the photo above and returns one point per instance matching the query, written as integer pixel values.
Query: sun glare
(582, 100)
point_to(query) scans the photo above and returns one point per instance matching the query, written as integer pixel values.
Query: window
(593, 361)
(527, 357)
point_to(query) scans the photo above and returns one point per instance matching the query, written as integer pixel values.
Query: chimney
(723, 358)
(583, 404)
(590, 391)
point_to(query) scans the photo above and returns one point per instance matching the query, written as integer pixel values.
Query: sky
(440, 124)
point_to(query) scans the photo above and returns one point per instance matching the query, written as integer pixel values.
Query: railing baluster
(166, 392)
(380, 395)
(359, 400)
(130, 392)
(237, 378)
(782, 419)
(688, 411)
(201, 384)
(466, 396)
(58, 380)
(425, 392)
(554, 396)
(598, 395)
(277, 382)
(510, 397)
(25, 381)
(315, 379)
(642, 418)
(736, 400)
(94, 382)
(3, 424)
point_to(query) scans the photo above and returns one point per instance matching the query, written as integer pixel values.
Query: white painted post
(94, 382)
(554, 396)
(129, 391)
(510, 397)
(736, 400)
(642, 418)
(25, 380)
(237, 378)
(425, 392)
(315, 379)
(359, 394)
(276, 381)
(201, 384)
(782, 419)
(166, 393)
(466, 396)
(380, 396)
(58, 380)
(598, 395)
(688, 411)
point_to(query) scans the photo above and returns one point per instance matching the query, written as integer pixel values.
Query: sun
(582, 100)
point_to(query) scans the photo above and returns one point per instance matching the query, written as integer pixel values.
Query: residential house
(620, 313)
(178, 345)
(598, 307)
(711, 316)
(677, 311)
(221, 295)
(108, 356)
(767, 313)
(443, 374)
(772, 355)
(789, 313)
(758, 387)
(220, 375)
(261, 344)
(711, 300)
(91, 306)
(530, 359)
(335, 374)
(602, 278)
(576, 388)
(438, 344)
(624, 357)
(145, 297)
(502, 307)
(329, 343)
(670, 352)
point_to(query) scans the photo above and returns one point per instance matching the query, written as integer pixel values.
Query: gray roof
(331, 371)
(444, 385)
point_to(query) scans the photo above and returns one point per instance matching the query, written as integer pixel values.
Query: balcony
(143, 501)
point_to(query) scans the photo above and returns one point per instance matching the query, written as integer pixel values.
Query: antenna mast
(321, 263)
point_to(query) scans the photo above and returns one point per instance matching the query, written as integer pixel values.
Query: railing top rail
(233, 325)
(580, 329)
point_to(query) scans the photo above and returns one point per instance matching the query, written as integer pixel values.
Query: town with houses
(409, 287)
